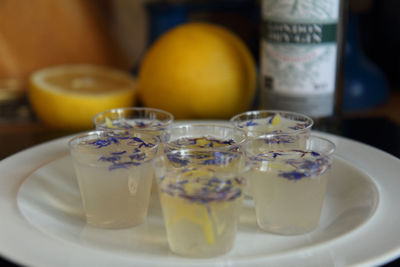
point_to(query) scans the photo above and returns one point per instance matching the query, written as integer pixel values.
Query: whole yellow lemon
(198, 70)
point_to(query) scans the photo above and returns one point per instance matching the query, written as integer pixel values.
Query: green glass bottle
(301, 57)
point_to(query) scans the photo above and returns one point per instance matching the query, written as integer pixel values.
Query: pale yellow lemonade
(288, 188)
(201, 198)
(114, 174)
(123, 125)
(279, 132)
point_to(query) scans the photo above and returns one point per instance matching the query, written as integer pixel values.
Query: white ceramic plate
(42, 221)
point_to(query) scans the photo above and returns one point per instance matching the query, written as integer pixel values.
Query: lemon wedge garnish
(276, 120)
(208, 229)
(202, 142)
(109, 123)
(193, 212)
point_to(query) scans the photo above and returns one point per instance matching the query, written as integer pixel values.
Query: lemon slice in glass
(276, 120)
(192, 212)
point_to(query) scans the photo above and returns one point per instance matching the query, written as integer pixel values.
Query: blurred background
(118, 33)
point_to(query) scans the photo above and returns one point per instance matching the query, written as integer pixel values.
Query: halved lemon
(68, 96)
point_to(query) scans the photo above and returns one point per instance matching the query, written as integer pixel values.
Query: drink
(263, 122)
(114, 174)
(147, 120)
(281, 129)
(201, 195)
(153, 121)
(288, 187)
(300, 56)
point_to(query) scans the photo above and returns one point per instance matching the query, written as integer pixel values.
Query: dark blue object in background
(365, 85)
(240, 16)
(164, 16)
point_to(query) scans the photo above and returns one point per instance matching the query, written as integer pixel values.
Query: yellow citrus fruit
(68, 96)
(198, 70)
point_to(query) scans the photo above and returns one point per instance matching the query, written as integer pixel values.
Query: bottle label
(298, 55)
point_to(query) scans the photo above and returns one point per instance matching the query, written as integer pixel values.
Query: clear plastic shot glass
(201, 194)
(205, 136)
(261, 122)
(154, 121)
(290, 129)
(143, 119)
(288, 185)
(114, 173)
